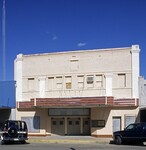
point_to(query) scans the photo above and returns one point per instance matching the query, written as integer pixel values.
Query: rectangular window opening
(99, 81)
(74, 65)
(30, 84)
(90, 81)
(50, 83)
(80, 81)
(59, 83)
(122, 80)
(68, 82)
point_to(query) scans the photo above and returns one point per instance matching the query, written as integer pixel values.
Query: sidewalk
(68, 139)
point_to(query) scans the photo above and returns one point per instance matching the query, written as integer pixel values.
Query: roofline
(77, 51)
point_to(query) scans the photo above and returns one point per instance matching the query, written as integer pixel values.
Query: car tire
(23, 142)
(140, 143)
(2, 142)
(118, 140)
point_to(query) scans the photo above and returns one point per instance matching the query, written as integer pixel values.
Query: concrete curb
(70, 140)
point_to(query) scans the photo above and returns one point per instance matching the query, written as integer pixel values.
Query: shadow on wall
(142, 115)
(34, 122)
(4, 115)
(101, 119)
(103, 114)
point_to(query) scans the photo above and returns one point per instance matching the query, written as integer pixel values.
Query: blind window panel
(98, 77)
(68, 79)
(80, 85)
(59, 85)
(59, 81)
(50, 83)
(74, 65)
(80, 78)
(31, 84)
(99, 80)
(80, 81)
(122, 80)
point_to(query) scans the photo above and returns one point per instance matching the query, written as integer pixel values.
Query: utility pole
(4, 41)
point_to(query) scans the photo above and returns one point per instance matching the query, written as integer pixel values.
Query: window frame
(31, 84)
(123, 85)
(90, 84)
(68, 84)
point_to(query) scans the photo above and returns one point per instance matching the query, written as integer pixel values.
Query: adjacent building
(84, 92)
(7, 100)
(142, 98)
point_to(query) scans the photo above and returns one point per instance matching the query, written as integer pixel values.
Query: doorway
(73, 126)
(86, 126)
(116, 124)
(58, 126)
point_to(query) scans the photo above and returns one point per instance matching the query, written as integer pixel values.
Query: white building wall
(18, 77)
(104, 64)
(42, 81)
(142, 92)
(85, 63)
(109, 84)
(135, 70)
(107, 115)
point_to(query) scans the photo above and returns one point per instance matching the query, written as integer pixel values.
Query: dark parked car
(13, 130)
(133, 133)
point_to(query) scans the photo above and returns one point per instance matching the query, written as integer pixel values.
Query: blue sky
(42, 26)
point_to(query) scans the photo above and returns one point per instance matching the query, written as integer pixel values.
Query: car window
(139, 127)
(130, 127)
(19, 125)
(144, 127)
(10, 124)
(1, 126)
(22, 126)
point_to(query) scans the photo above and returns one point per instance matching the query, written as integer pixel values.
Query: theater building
(83, 92)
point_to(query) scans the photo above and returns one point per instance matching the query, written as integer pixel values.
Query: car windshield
(130, 127)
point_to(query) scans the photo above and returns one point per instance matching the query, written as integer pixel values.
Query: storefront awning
(77, 102)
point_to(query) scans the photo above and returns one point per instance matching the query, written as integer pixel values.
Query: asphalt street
(58, 146)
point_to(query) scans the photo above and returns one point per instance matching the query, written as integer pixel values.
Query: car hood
(117, 132)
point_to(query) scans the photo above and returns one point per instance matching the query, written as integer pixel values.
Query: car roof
(15, 120)
(140, 123)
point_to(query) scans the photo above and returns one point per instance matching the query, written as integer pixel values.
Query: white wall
(87, 62)
(135, 70)
(18, 76)
(142, 92)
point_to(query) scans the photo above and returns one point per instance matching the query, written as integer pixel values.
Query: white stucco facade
(135, 70)
(101, 85)
(18, 77)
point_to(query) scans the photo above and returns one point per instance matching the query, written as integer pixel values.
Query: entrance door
(116, 124)
(86, 126)
(58, 126)
(73, 126)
